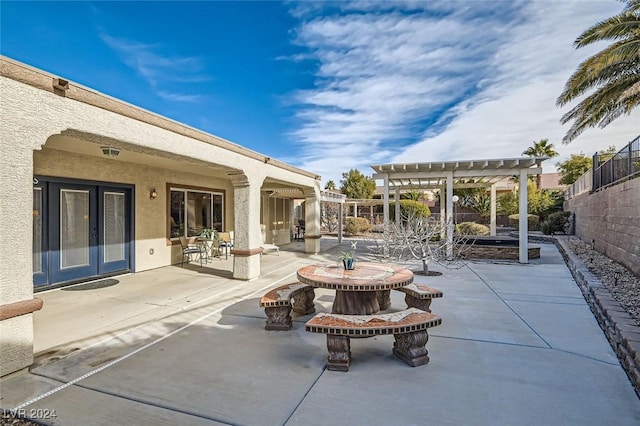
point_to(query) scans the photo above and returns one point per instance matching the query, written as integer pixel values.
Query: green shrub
(356, 225)
(546, 228)
(555, 223)
(532, 221)
(472, 228)
(408, 207)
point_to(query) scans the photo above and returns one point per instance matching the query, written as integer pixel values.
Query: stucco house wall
(52, 127)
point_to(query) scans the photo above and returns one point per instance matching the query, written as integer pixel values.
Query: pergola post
(385, 196)
(492, 223)
(443, 219)
(449, 211)
(340, 219)
(396, 199)
(523, 223)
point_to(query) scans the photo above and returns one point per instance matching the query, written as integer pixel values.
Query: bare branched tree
(421, 238)
(329, 216)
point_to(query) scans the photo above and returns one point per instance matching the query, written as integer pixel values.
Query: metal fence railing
(608, 170)
(583, 184)
(623, 165)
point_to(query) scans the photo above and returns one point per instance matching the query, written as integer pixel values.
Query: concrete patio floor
(518, 345)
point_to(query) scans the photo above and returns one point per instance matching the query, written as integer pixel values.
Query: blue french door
(73, 231)
(85, 230)
(113, 229)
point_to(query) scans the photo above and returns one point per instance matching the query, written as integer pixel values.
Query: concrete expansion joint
(619, 327)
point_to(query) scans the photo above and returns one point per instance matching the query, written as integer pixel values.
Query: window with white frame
(192, 210)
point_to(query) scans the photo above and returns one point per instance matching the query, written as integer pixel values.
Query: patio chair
(226, 242)
(189, 249)
(267, 246)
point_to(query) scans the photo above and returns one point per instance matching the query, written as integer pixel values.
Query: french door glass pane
(114, 217)
(37, 230)
(74, 228)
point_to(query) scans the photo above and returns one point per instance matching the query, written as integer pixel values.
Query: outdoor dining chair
(226, 242)
(189, 249)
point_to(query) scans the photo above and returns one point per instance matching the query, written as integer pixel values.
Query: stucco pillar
(492, 223)
(247, 235)
(20, 136)
(16, 283)
(523, 210)
(312, 219)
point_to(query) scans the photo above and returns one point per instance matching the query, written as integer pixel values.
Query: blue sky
(329, 86)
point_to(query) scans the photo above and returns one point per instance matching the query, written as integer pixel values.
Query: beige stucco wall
(611, 218)
(150, 215)
(16, 344)
(16, 284)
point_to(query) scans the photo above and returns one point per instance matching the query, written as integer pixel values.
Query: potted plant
(348, 257)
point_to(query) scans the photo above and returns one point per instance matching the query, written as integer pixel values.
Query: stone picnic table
(356, 290)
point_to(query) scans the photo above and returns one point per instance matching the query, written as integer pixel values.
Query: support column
(312, 221)
(16, 279)
(385, 198)
(340, 220)
(443, 216)
(355, 209)
(396, 199)
(522, 210)
(449, 210)
(247, 234)
(492, 225)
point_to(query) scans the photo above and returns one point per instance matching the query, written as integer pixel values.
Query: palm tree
(542, 148)
(614, 73)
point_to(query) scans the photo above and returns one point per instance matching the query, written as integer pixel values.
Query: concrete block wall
(611, 219)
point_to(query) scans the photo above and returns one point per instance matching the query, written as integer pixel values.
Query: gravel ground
(623, 284)
(9, 419)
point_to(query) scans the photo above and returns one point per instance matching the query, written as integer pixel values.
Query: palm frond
(616, 27)
(614, 74)
(616, 60)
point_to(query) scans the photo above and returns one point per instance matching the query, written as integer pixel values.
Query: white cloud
(158, 69)
(428, 81)
(517, 103)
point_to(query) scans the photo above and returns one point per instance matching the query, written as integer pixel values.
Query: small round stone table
(356, 290)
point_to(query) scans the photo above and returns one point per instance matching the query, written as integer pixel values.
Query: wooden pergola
(448, 175)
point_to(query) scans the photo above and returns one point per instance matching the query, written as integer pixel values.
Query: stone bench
(409, 328)
(417, 296)
(277, 304)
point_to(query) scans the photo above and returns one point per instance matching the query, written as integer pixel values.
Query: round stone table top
(365, 277)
